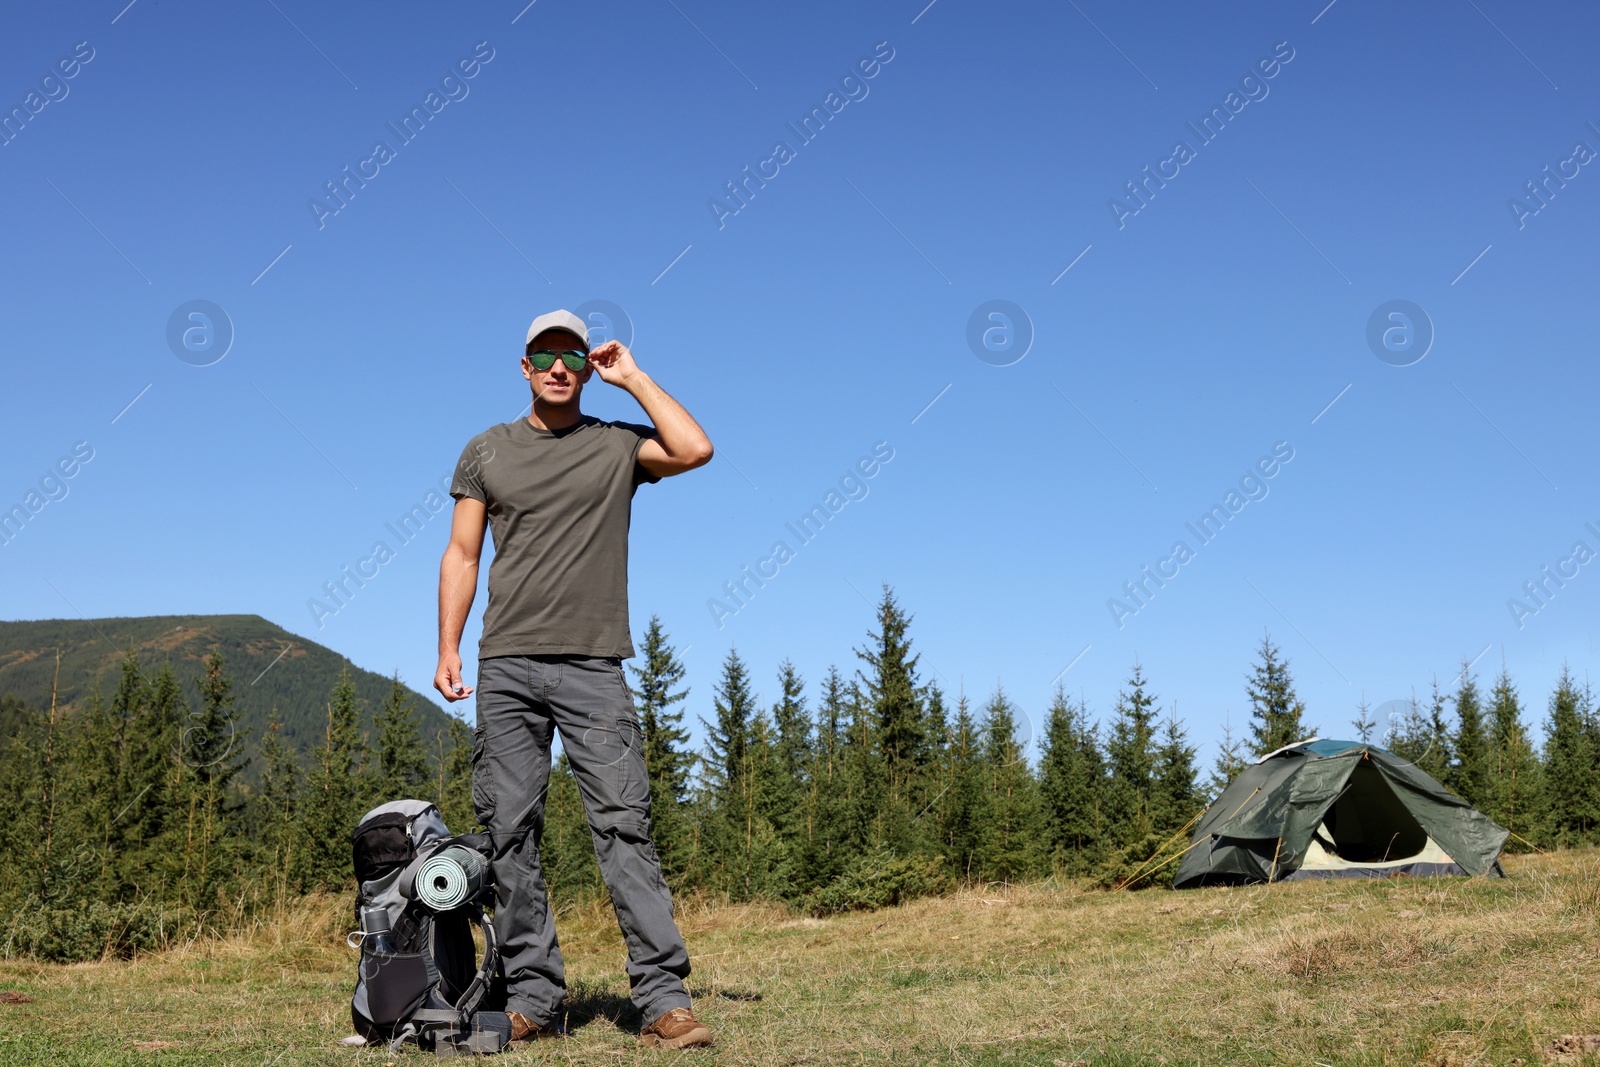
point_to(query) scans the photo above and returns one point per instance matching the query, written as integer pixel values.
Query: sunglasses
(545, 358)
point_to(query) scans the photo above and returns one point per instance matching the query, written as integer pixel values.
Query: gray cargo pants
(522, 701)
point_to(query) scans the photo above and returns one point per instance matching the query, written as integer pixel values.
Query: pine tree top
(662, 671)
(1276, 713)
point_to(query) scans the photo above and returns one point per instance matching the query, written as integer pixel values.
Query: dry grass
(1448, 972)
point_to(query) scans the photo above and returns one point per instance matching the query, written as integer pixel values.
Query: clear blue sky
(578, 164)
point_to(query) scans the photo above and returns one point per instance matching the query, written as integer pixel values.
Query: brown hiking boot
(525, 1029)
(678, 1028)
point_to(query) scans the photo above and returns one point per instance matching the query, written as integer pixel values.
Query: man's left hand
(613, 362)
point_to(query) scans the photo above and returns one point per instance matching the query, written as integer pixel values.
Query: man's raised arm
(680, 445)
(458, 583)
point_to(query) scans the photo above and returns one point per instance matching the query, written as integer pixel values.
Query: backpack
(419, 978)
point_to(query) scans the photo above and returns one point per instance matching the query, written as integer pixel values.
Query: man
(557, 489)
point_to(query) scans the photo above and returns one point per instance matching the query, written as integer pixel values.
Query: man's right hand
(447, 679)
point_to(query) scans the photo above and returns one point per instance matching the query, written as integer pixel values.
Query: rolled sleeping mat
(451, 877)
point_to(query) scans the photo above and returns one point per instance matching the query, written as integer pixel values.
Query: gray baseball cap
(559, 320)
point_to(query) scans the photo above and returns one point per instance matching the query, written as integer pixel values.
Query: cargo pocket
(397, 984)
(482, 784)
(634, 778)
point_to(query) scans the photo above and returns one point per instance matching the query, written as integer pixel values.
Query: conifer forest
(136, 818)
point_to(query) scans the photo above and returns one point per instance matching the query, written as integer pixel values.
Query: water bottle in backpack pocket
(419, 894)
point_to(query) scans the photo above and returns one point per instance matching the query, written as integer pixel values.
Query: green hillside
(297, 684)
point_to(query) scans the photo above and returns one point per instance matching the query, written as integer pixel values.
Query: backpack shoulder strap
(486, 970)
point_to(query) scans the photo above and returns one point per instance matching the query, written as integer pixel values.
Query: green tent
(1337, 809)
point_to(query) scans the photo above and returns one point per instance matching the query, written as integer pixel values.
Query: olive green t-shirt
(559, 506)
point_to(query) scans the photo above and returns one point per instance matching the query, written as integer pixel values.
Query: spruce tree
(213, 740)
(654, 694)
(765, 861)
(832, 715)
(453, 790)
(1011, 848)
(331, 802)
(1276, 712)
(1570, 766)
(106, 792)
(867, 821)
(274, 811)
(1516, 794)
(922, 833)
(655, 691)
(86, 806)
(1176, 795)
(728, 735)
(213, 756)
(1516, 780)
(895, 698)
(24, 793)
(1438, 753)
(963, 804)
(401, 770)
(1469, 774)
(1363, 723)
(155, 776)
(54, 750)
(1412, 737)
(747, 858)
(1071, 770)
(792, 752)
(823, 854)
(893, 774)
(1130, 754)
(1229, 762)
(936, 726)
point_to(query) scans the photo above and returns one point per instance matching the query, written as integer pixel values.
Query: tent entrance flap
(1369, 824)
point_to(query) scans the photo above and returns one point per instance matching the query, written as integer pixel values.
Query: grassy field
(1445, 972)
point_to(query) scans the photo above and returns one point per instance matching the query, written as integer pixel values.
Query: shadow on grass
(747, 996)
(588, 1001)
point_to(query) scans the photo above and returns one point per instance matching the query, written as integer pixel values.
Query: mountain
(270, 667)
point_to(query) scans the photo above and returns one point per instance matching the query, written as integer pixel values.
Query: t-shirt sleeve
(468, 479)
(636, 436)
